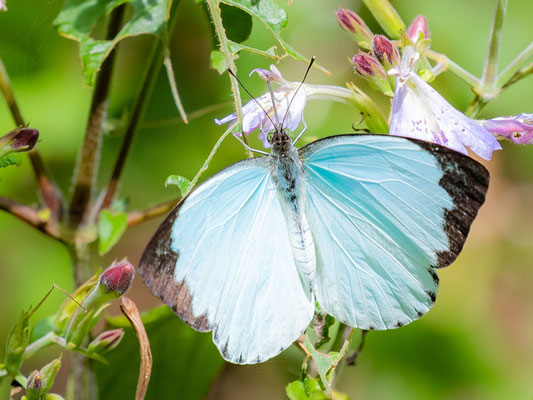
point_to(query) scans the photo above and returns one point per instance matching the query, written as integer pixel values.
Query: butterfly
(356, 223)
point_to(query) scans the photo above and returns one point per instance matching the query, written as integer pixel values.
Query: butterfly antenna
(251, 95)
(298, 88)
(277, 126)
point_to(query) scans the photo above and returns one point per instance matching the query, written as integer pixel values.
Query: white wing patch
(235, 260)
(377, 214)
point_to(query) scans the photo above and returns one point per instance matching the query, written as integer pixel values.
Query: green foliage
(78, 18)
(309, 389)
(111, 227)
(181, 182)
(184, 361)
(10, 159)
(17, 342)
(237, 23)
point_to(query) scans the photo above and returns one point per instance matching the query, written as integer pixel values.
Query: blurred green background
(476, 343)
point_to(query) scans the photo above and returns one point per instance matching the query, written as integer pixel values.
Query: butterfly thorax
(286, 169)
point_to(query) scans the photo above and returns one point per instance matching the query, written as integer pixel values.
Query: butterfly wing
(385, 212)
(222, 260)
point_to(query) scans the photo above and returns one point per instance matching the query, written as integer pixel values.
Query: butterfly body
(357, 223)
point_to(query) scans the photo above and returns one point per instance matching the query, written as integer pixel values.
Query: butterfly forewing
(222, 260)
(384, 213)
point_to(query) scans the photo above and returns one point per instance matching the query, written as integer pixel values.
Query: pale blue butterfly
(357, 223)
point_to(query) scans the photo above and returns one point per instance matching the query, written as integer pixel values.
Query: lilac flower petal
(226, 119)
(273, 75)
(517, 128)
(421, 112)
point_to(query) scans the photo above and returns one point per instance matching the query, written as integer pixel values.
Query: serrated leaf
(78, 18)
(111, 227)
(237, 23)
(182, 183)
(324, 362)
(217, 61)
(10, 159)
(185, 363)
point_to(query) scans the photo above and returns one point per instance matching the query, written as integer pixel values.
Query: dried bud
(21, 139)
(35, 385)
(369, 68)
(106, 341)
(518, 128)
(385, 51)
(118, 277)
(352, 24)
(419, 27)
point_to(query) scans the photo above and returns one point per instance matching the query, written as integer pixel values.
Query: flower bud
(18, 140)
(118, 277)
(370, 69)
(385, 51)
(106, 341)
(517, 128)
(3, 5)
(49, 372)
(35, 386)
(17, 342)
(352, 24)
(418, 28)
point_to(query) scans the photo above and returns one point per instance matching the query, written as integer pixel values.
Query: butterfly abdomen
(286, 172)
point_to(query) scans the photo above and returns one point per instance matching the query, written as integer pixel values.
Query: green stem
(453, 67)
(47, 340)
(224, 45)
(515, 66)
(489, 89)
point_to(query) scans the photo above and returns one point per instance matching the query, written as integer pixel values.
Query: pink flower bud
(106, 341)
(118, 277)
(20, 139)
(352, 24)
(418, 27)
(385, 51)
(370, 68)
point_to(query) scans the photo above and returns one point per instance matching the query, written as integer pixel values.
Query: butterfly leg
(301, 133)
(249, 148)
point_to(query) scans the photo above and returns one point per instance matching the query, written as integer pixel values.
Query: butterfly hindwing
(222, 260)
(385, 212)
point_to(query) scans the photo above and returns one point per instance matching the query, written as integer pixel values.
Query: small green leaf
(324, 362)
(78, 18)
(217, 61)
(266, 10)
(10, 159)
(309, 389)
(185, 363)
(296, 391)
(111, 226)
(237, 23)
(182, 183)
(41, 328)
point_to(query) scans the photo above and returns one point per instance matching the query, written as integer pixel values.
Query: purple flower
(3, 6)
(420, 112)
(518, 128)
(259, 113)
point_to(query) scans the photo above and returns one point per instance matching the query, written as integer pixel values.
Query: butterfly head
(280, 141)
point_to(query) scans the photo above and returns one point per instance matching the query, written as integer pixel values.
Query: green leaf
(78, 18)
(182, 183)
(217, 61)
(309, 389)
(10, 159)
(325, 363)
(237, 23)
(296, 391)
(41, 328)
(111, 226)
(185, 363)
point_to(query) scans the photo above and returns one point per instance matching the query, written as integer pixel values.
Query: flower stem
(30, 216)
(515, 66)
(90, 152)
(138, 217)
(453, 67)
(214, 11)
(488, 89)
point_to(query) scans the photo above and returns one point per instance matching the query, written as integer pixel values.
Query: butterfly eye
(270, 136)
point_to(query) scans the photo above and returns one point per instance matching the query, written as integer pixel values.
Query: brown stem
(156, 60)
(30, 216)
(138, 217)
(50, 193)
(90, 152)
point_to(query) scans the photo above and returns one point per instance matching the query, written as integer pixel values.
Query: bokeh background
(476, 343)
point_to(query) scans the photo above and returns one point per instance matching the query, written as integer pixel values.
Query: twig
(138, 217)
(352, 357)
(30, 216)
(50, 193)
(90, 152)
(155, 61)
(129, 309)
(515, 66)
